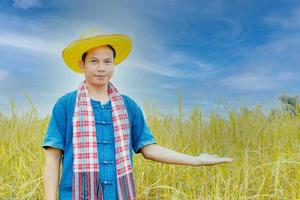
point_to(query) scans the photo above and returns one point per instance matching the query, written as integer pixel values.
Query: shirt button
(103, 122)
(107, 182)
(108, 161)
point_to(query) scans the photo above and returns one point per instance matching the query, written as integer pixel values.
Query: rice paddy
(265, 148)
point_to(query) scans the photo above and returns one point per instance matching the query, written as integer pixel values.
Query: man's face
(98, 66)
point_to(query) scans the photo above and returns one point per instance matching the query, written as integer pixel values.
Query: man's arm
(51, 172)
(161, 154)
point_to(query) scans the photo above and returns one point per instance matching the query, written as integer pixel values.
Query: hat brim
(73, 52)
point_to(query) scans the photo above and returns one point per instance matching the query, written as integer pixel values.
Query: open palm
(211, 159)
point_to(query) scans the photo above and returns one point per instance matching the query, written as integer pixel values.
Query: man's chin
(100, 83)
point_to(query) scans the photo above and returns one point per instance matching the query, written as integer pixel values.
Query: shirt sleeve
(141, 134)
(56, 131)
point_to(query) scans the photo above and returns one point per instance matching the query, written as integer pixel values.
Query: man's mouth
(100, 76)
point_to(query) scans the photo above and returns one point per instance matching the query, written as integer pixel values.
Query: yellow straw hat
(72, 54)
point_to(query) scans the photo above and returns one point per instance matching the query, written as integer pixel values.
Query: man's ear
(81, 65)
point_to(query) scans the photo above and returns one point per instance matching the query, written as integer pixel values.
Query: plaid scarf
(85, 183)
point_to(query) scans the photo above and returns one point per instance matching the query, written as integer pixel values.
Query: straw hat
(72, 54)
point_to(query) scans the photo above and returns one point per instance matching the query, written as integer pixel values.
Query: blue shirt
(59, 135)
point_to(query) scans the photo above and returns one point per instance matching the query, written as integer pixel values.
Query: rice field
(265, 147)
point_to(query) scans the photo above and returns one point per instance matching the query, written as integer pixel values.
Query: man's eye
(93, 61)
(108, 61)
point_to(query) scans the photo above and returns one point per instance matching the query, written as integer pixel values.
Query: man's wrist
(194, 161)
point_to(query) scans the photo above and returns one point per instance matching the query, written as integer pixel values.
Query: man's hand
(209, 159)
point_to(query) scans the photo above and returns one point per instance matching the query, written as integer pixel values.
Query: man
(95, 128)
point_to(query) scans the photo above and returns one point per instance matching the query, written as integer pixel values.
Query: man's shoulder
(128, 99)
(131, 103)
(67, 98)
(71, 94)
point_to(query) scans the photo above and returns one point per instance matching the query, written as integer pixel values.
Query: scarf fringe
(89, 186)
(126, 188)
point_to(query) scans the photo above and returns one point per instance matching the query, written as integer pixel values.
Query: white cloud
(291, 21)
(30, 42)
(273, 65)
(150, 56)
(26, 4)
(254, 81)
(281, 47)
(179, 67)
(3, 74)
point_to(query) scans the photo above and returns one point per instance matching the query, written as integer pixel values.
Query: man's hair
(85, 53)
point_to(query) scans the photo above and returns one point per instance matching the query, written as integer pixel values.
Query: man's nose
(101, 67)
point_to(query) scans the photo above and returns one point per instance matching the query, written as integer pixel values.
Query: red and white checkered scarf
(85, 183)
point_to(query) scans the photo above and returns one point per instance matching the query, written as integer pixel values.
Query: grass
(265, 148)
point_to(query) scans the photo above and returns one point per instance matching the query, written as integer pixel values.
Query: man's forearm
(164, 155)
(51, 176)
(161, 154)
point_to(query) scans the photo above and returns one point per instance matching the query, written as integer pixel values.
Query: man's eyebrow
(92, 57)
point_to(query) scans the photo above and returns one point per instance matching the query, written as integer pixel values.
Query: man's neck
(98, 93)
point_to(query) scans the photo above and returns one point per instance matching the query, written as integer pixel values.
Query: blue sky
(230, 53)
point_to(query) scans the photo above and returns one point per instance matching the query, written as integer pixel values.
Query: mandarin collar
(97, 104)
